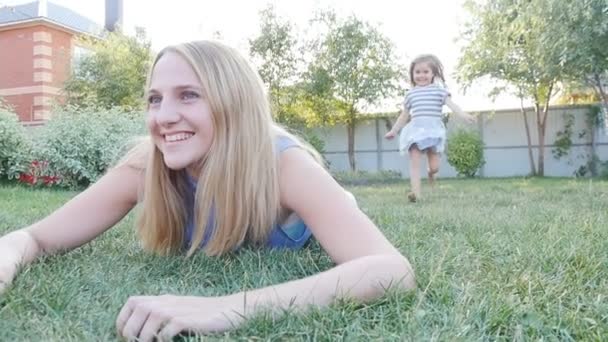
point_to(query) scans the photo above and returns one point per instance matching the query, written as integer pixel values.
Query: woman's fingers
(152, 327)
(131, 315)
(135, 324)
(173, 328)
(122, 318)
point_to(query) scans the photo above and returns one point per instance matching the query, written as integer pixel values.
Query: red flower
(27, 178)
(38, 173)
(49, 180)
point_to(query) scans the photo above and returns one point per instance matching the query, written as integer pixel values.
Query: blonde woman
(217, 173)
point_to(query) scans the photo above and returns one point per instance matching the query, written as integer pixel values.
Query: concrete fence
(503, 133)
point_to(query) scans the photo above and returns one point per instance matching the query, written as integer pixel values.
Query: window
(78, 55)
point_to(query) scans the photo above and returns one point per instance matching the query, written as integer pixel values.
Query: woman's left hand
(147, 318)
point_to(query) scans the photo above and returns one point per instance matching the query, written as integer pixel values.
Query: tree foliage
(354, 66)
(112, 73)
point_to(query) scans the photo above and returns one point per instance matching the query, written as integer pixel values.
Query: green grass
(509, 259)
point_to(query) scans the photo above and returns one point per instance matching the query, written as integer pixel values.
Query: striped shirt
(426, 101)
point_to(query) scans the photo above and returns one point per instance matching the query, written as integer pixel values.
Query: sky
(414, 26)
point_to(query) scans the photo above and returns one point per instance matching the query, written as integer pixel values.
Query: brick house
(37, 51)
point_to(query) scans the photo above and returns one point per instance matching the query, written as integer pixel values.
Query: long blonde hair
(238, 182)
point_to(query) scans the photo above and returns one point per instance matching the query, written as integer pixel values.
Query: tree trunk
(529, 140)
(541, 140)
(350, 130)
(593, 155)
(541, 117)
(596, 83)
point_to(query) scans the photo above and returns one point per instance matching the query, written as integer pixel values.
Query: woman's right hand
(390, 135)
(77, 222)
(16, 248)
(5, 278)
(8, 256)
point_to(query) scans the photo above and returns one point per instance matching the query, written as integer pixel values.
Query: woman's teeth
(178, 137)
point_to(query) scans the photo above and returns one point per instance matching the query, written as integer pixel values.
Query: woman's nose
(167, 114)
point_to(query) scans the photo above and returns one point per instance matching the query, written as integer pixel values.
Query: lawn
(509, 259)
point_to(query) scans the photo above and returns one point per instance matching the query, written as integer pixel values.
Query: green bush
(15, 145)
(465, 152)
(314, 140)
(81, 143)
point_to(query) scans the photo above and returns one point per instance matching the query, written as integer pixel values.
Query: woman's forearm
(362, 279)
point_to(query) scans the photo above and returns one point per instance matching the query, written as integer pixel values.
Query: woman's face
(179, 117)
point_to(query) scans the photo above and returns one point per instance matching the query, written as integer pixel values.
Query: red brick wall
(22, 105)
(16, 65)
(62, 56)
(33, 69)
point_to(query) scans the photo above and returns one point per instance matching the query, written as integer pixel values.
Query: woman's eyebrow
(179, 87)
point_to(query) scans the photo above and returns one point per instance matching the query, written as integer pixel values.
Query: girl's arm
(402, 120)
(456, 109)
(80, 220)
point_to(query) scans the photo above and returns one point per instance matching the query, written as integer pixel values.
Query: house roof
(54, 13)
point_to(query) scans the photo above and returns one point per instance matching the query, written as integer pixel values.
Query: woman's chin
(175, 165)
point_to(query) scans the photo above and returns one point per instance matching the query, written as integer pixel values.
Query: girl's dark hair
(433, 62)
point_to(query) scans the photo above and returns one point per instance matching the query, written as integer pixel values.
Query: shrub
(465, 152)
(314, 140)
(15, 146)
(81, 143)
(38, 173)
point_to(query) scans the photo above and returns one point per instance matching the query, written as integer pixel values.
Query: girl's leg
(433, 163)
(415, 157)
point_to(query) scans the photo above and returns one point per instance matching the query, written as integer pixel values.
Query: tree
(506, 41)
(275, 52)
(354, 66)
(274, 49)
(112, 74)
(574, 92)
(580, 31)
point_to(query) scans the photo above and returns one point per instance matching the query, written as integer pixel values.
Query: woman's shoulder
(138, 152)
(283, 142)
(286, 141)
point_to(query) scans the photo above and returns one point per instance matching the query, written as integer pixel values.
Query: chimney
(113, 15)
(42, 8)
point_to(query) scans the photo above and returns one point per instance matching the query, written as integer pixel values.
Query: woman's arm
(367, 262)
(80, 220)
(368, 265)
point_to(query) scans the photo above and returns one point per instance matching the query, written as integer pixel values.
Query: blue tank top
(292, 235)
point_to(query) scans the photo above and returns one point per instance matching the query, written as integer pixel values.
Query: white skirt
(425, 132)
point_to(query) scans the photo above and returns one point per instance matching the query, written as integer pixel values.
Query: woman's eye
(189, 95)
(154, 99)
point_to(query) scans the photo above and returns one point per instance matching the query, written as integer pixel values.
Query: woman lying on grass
(218, 173)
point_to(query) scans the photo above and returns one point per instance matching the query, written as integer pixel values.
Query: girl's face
(179, 117)
(423, 74)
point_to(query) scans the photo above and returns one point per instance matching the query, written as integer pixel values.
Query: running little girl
(424, 131)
